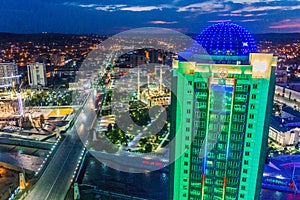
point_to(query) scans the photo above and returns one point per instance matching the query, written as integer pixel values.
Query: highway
(56, 180)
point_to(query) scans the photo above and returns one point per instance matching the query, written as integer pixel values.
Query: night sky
(114, 16)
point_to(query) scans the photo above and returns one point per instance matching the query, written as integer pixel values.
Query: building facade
(37, 74)
(8, 74)
(284, 128)
(284, 136)
(220, 121)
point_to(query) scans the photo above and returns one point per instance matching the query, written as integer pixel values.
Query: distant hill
(276, 37)
(48, 37)
(36, 36)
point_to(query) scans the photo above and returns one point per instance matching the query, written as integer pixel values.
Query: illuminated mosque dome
(226, 39)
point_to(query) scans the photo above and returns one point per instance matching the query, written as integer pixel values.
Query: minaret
(20, 103)
(138, 92)
(160, 80)
(148, 76)
(94, 135)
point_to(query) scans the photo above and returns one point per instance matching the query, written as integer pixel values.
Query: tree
(148, 148)
(116, 126)
(109, 127)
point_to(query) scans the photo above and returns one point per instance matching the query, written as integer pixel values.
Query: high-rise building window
(210, 116)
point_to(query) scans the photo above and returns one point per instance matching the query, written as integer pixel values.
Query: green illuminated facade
(220, 123)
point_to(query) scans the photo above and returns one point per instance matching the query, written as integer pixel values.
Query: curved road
(55, 181)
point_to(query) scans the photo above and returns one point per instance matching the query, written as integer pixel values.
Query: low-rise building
(285, 129)
(37, 74)
(9, 74)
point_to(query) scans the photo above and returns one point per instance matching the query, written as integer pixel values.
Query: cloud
(231, 15)
(219, 21)
(249, 1)
(205, 7)
(141, 8)
(110, 8)
(250, 20)
(261, 14)
(70, 4)
(87, 5)
(118, 7)
(163, 22)
(242, 15)
(286, 24)
(265, 8)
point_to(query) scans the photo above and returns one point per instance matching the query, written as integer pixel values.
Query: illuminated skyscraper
(221, 108)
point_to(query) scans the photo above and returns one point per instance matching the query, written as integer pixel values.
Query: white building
(285, 129)
(287, 93)
(285, 137)
(37, 74)
(8, 74)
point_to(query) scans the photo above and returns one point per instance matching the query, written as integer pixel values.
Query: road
(55, 181)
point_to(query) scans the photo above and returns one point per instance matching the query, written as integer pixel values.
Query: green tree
(109, 127)
(148, 148)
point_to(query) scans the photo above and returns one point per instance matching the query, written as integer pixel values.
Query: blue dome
(227, 39)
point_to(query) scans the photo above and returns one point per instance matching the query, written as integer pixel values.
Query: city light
(90, 108)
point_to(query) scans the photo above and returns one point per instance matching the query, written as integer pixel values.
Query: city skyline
(87, 17)
(174, 99)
